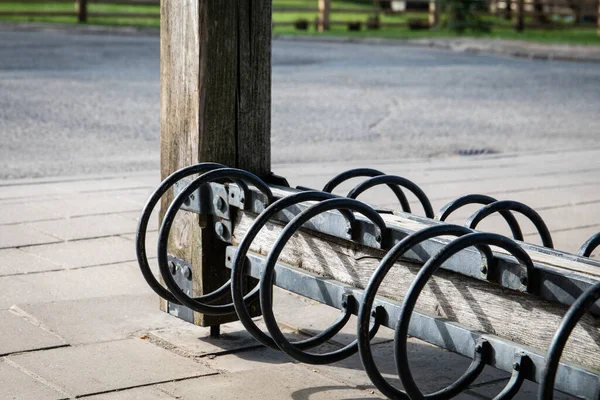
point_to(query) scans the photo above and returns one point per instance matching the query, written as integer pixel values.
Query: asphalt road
(74, 104)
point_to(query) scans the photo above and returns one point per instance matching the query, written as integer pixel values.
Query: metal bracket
(182, 272)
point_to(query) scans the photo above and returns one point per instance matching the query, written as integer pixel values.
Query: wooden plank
(479, 305)
(215, 106)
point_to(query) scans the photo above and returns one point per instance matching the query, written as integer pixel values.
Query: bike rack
(227, 193)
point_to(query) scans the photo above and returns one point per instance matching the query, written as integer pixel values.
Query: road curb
(83, 29)
(473, 46)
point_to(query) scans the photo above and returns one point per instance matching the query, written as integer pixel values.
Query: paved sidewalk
(78, 320)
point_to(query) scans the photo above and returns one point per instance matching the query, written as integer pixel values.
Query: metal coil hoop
(454, 205)
(140, 239)
(366, 172)
(238, 264)
(267, 278)
(509, 205)
(426, 272)
(395, 180)
(165, 229)
(368, 300)
(589, 246)
(559, 341)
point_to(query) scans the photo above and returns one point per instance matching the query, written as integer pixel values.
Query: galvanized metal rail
(225, 193)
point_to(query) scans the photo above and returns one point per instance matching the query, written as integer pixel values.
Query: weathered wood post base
(215, 106)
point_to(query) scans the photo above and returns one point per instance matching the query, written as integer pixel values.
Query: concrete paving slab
(284, 382)
(13, 213)
(135, 215)
(529, 390)
(113, 318)
(19, 261)
(259, 359)
(195, 341)
(426, 361)
(101, 184)
(16, 385)
(102, 367)
(142, 393)
(86, 252)
(110, 280)
(151, 242)
(18, 335)
(22, 235)
(77, 205)
(12, 191)
(86, 227)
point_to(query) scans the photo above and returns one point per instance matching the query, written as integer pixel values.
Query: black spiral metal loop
(366, 172)
(367, 304)
(267, 278)
(589, 246)
(140, 247)
(454, 205)
(398, 181)
(372, 311)
(165, 229)
(237, 272)
(559, 341)
(410, 300)
(509, 205)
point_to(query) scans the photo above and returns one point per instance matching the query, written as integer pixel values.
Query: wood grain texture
(215, 106)
(479, 305)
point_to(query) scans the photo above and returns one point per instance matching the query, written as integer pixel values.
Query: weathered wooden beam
(215, 106)
(476, 304)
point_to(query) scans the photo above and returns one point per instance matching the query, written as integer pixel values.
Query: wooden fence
(520, 14)
(81, 11)
(324, 14)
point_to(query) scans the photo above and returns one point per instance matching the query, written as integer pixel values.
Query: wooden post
(81, 10)
(324, 15)
(520, 16)
(215, 106)
(508, 10)
(434, 13)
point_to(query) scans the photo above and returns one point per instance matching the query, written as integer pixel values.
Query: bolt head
(516, 366)
(484, 269)
(344, 304)
(478, 348)
(219, 203)
(378, 238)
(219, 228)
(172, 267)
(187, 272)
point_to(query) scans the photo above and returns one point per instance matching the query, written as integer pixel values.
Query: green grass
(580, 35)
